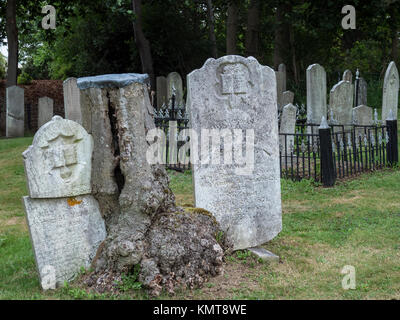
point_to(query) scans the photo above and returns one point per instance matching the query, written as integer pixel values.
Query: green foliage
(24, 78)
(3, 66)
(130, 281)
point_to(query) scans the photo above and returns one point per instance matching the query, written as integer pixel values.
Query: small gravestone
(360, 92)
(161, 88)
(341, 103)
(72, 103)
(362, 115)
(230, 95)
(316, 93)
(348, 76)
(390, 91)
(288, 125)
(64, 220)
(287, 98)
(45, 107)
(174, 84)
(15, 112)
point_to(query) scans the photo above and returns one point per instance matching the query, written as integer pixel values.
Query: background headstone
(362, 115)
(390, 91)
(361, 93)
(341, 103)
(288, 125)
(72, 103)
(45, 108)
(287, 97)
(316, 93)
(58, 163)
(174, 80)
(233, 92)
(348, 76)
(15, 112)
(280, 84)
(161, 87)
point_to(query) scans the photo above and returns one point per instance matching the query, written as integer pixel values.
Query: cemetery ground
(355, 223)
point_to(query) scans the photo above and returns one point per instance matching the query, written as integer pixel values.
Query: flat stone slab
(264, 254)
(59, 161)
(112, 80)
(65, 234)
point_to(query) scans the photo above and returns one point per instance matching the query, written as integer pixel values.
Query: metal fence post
(327, 168)
(392, 145)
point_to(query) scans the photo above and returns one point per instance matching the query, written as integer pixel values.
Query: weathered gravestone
(145, 227)
(72, 103)
(362, 115)
(161, 87)
(360, 92)
(288, 125)
(390, 91)
(64, 220)
(174, 84)
(280, 84)
(341, 103)
(348, 76)
(45, 107)
(15, 112)
(316, 93)
(287, 98)
(238, 94)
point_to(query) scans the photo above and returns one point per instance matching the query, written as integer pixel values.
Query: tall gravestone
(316, 93)
(287, 97)
(161, 87)
(280, 84)
(46, 110)
(64, 220)
(72, 103)
(360, 92)
(390, 91)
(341, 103)
(230, 95)
(174, 81)
(15, 112)
(288, 125)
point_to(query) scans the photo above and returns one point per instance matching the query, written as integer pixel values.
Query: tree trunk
(142, 43)
(231, 28)
(294, 61)
(281, 36)
(211, 29)
(12, 40)
(253, 20)
(395, 35)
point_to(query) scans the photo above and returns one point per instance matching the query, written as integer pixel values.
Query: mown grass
(355, 223)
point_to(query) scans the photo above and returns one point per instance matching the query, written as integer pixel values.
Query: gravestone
(72, 103)
(237, 94)
(15, 112)
(64, 220)
(45, 107)
(288, 125)
(161, 87)
(287, 97)
(361, 93)
(280, 84)
(174, 80)
(348, 76)
(341, 103)
(390, 91)
(316, 94)
(362, 115)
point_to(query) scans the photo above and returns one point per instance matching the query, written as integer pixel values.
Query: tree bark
(12, 41)
(395, 35)
(211, 29)
(281, 36)
(142, 43)
(231, 28)
(253, 20)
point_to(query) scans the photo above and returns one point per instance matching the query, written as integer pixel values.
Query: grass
(355, 223)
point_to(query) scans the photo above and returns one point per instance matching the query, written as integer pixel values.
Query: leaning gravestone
(316, 93)
(64, 220)
(390, 91)
(341, 103)
(161, 87)
(348, 76)
(360, 92)
(237, 94)
(287, 97)
(45, 107)
(72, 103)
(174, 81)
(288, 125)
(15, 112)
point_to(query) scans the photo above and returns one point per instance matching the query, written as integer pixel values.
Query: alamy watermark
(49, 20)
(349, 20)
(349, 280)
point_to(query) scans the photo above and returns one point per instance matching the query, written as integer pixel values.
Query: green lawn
(355, 223)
